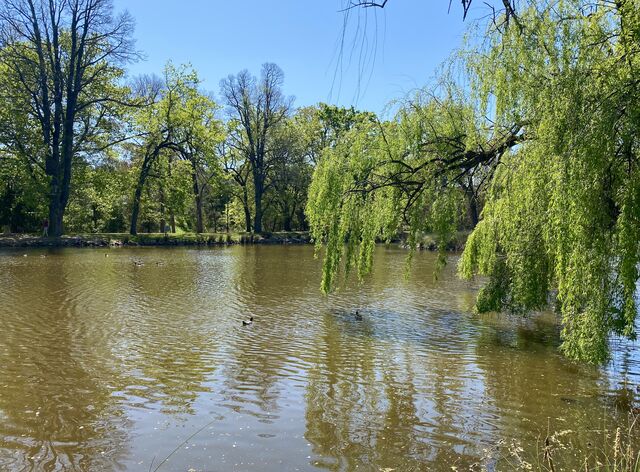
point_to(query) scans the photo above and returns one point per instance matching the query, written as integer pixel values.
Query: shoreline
(427, 242)
(153, 239)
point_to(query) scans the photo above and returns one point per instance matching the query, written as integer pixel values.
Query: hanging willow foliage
(551, 128)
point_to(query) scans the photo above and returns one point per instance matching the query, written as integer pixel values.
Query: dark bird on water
(358, 316)
(247, 322)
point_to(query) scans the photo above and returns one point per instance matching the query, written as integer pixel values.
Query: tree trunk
(286, 218)
(67, 162)
(61, 183)
(149, 159)
(163, 220)
(59, 169)
(473, 210)
(135, 210)
(198, 199)
(52, 169)
(302, 221)
(59, 196)
(247, 211)
(258, 186)
(199, 223)
(247, 218)
(55, 215)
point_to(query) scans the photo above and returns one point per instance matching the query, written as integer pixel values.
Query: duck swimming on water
(247, 322)
(357, 316)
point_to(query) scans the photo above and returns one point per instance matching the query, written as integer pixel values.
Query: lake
(111, 366)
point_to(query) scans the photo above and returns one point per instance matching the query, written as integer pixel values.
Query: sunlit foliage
(556, 101)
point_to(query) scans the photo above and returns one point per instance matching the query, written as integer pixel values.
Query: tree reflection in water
(112, 366)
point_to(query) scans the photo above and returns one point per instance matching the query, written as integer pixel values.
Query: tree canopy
(62, 64)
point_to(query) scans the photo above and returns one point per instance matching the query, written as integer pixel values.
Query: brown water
(109, 366)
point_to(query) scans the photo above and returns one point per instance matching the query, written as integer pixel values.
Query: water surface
(106, 365)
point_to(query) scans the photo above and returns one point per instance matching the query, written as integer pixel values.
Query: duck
(106, 255)
(247, 322)
(358, 316)
(138, 263)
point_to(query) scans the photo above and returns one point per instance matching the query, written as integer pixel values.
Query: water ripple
(109, 363)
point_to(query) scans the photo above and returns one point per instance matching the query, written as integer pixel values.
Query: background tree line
(92, 150)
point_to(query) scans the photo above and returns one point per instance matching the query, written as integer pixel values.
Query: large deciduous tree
(182, 124)
(260, 107)
(63, 59)
(291, 174)
(202, 133)
(237, 166)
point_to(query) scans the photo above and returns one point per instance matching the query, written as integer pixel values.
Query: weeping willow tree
(548, 125)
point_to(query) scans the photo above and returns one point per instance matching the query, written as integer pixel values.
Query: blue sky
(410, 39)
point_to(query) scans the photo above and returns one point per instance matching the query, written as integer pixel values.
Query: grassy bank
(427, 242)
(617, 451)
(153, 239)
(607, 449)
